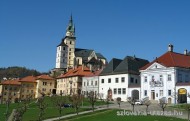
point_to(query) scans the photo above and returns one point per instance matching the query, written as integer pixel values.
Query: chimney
(185, 52)
(170, 48)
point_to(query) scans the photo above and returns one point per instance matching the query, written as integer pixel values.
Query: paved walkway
(153, 108)
(84, 112)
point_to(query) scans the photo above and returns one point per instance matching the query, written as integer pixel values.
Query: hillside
(17, 72)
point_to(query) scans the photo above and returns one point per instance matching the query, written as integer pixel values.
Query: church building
(68, 56)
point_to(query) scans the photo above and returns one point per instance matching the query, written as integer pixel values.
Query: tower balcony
(156, 83)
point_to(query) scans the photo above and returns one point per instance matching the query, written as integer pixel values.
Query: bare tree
(132, 102)
(19, 112)
(42, 106)
(107, 101)
(59, 102)
(163, 104)
(147, 103)
(76, 100)
(119, 101)
(100, 95)
(92, 99)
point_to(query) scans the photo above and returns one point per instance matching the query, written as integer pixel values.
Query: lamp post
(70, 86)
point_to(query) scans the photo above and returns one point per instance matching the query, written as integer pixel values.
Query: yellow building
(45, 85)
(28, 87)
(10, 91)
(71, 82)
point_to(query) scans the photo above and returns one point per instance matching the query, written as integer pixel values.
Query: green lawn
(33, 111)
(111, 115)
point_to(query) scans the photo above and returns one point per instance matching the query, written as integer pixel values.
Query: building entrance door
(152, 95)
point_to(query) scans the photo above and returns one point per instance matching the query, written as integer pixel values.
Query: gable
(156, 65)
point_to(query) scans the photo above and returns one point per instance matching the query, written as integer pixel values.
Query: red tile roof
(28, 79)
(45, 77)
(79, 71)
(96, 73)
(11, 82)
(171, 59)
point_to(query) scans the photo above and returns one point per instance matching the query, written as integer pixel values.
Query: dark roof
(83, 53)
(100, 56)
(62, 43)
(79, 49)
(111, 66)
(128, 65)
(131, 65)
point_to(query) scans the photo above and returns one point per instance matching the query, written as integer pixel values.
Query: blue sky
(30, 30)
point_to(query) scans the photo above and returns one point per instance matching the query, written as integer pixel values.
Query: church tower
(65, 50)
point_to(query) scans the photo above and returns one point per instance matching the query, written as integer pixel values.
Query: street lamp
(70, 86)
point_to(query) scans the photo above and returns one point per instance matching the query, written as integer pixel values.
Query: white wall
(87, 84)
(104, 87)
(167, 84)
(61, 57)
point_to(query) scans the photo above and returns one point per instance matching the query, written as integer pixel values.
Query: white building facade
(119, 80)
(90, 84)
(168, 76)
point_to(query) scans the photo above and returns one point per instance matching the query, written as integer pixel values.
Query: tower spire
(70, 28)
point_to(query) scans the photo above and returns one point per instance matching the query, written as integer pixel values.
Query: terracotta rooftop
(45, 77)
(96, 73)
(28, 79)
(11, 82)
(171, 59)
(79, 71)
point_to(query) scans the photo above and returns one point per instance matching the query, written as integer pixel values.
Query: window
(69, 53)
(70, 42)
(44, 83)
(96, 83)
(102, 80)
(15, 88)
(69, 49)
(119, 90)
(161, 92)
(32, 91)
(115, 90)
(5, 87)
(84, 83)
(92, 83)
(116, 80)
(145, 92)
(145, 79)
(87, 83)
(63, 48)
(122, 79)
(109, 80)
(44, 89)
(152, 78)
(186, 78)
(5, 93)
(132, 80)
(180, 77)
(136, 81)
(169, 77)
(169, 93)
(161, 78)
(124, 90)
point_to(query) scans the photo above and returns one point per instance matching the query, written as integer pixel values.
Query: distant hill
(17, 72)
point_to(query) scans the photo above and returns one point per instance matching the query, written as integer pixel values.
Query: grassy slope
(33, 111)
